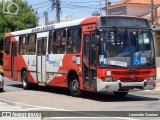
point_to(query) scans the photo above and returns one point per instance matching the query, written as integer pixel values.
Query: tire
(120, 94)
(74, 86)
(25, 81)
(1, 89)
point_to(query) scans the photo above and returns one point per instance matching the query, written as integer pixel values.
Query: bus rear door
(41, 59)
(89, 60)
(14, 60)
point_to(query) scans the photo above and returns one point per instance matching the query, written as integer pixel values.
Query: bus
(98, 53)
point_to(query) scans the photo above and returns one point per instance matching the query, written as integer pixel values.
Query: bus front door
(89, 60)
(41, 59)
(14, 61)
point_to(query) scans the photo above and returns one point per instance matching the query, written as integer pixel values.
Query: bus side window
(50, 43)
(59, 41)
(7, 46)
(31, 44)
(69, 42)
(73, 40)
(22, 45)
(55, 45)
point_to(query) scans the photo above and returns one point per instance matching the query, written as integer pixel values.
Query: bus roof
(62, 25)
(46, 28)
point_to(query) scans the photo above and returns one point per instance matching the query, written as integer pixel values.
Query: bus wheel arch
(24, 79)
(74, 83)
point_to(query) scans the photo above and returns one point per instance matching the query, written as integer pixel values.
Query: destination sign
(40, 29)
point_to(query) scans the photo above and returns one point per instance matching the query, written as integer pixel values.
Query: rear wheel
(25, 82)
(120, 94)
(1, 89)
(74, 86)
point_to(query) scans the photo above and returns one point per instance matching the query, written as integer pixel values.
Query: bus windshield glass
(126, 48)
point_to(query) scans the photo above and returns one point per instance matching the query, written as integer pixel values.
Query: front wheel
(25, 82)
(120, 94)
(74, 86)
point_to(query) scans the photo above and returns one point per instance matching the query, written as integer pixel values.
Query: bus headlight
(108, 79)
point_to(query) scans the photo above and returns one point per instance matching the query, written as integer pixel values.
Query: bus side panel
(66, 64)
(70, 63)
(54, 76)
(27, 62)
(7, 66)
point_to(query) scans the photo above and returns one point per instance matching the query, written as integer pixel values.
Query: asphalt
(158, 86)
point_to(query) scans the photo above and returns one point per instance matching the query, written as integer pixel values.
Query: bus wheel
(74, 86)
(120, 94)
(1, 89)
(25, 82)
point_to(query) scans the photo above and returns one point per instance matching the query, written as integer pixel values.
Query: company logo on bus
(132, 77)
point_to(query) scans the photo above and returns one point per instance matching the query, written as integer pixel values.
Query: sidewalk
(158, 86)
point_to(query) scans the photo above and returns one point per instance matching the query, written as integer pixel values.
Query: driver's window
(143, 41)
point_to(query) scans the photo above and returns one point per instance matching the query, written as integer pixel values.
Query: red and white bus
(98, 53)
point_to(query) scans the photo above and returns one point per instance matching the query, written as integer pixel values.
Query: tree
(10, 22)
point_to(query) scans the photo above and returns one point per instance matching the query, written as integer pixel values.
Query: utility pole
(100, 9)
(152, 12)
(106, 2)
(46, 18)
(58, 11)
(156, 15)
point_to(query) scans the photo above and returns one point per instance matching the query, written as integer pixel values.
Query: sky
(76, 8)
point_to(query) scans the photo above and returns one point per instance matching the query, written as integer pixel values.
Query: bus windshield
(125, 47)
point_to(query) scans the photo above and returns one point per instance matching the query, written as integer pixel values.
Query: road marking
(39, 107)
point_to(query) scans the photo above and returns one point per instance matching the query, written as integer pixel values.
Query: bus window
(59, 41)
(7, 46)
(50, 43)
(22, 45)
(73, 44)
(39, 52)
(31, 44)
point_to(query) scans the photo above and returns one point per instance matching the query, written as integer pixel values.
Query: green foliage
(25, 18)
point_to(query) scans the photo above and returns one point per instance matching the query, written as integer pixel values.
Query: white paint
(31, 59)
(50, 66)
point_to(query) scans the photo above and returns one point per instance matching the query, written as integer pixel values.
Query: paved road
(59, 99)
(10, 86)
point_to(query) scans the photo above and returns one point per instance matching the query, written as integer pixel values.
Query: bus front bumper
(118, 85)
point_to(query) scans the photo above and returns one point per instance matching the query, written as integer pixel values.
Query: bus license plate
(150, 83)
